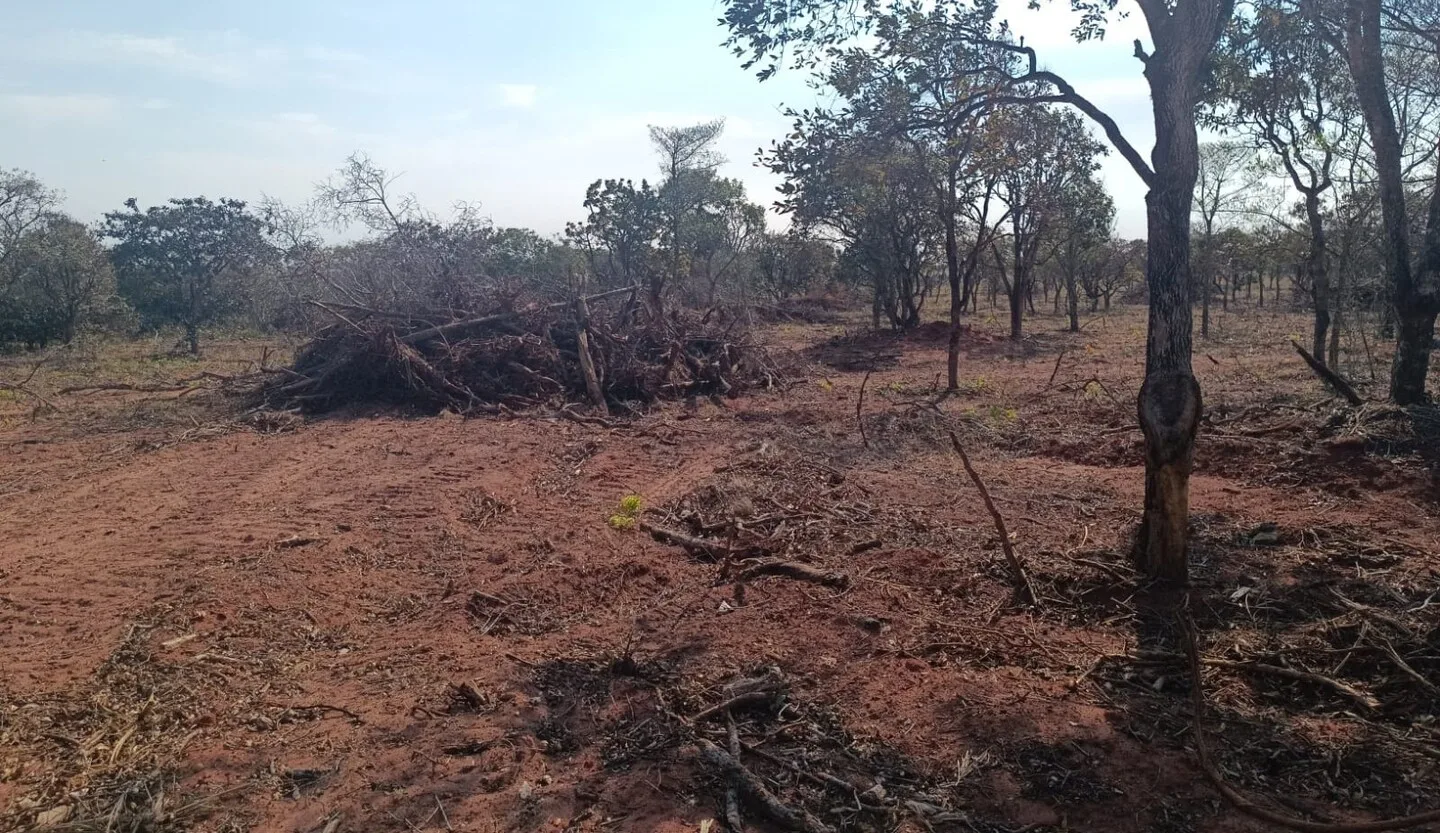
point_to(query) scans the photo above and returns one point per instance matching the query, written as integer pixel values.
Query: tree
(620, 233)
(24, 203)
(917, 85)
(687, 192)
(791, 264)
(1184, 35)
(1082, 235)
(1221, 181)
(1358, 30)
(62, 279)
(1287, 90)
(184, 262)
(1046, 158)
(872, 195)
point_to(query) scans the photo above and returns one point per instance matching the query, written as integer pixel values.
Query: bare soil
(381, 622)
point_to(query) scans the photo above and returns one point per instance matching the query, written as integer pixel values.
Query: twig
(1409, 671)
(860, 404)
(569, 413)
(732, 795)
(1334, 379)
(749, 698)
(1056, 371)
(746, 782)
(453, 328)
(712, 550)
(1017, 567)
(326, 707)
(1359, 697)
(1364, 700)
(1245, 805)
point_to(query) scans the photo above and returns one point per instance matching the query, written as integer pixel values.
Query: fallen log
(712, 550)
(1332, 378)
(795, 570)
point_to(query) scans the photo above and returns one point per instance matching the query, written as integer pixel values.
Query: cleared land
(378, 622)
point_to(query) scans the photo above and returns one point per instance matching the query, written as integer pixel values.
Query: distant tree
(1287, 90)
(724, 233)
(1046, 160)
(362, 191)
(791, 264)
(688, 190)
(1222, 181)
(62, 281)
(24, 202)
(185, 262)
(874, 197)
(1080, 240)
(619, 234)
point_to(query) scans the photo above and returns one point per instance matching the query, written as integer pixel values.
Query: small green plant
(628, 513)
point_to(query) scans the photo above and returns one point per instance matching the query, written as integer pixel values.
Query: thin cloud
(520, 96)
(48, 108)
(227, 58)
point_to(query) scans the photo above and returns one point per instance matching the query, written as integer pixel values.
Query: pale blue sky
(515, 105)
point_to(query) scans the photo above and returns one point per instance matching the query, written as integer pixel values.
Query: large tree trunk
(1170, 404)
(192, 337)
(1415, 296)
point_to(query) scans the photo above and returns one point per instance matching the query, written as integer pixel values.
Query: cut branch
(457, 327)
(1017, 567)
(1245, 805)
(1332, 378)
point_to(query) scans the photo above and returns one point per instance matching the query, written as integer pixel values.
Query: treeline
(693, 237)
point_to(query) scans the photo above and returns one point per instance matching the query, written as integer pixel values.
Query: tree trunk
(192, 336)
(1169, 404)
(957, 292)
(1017, 308)
(1072, 297)
(1416, 299)
(1319, 275)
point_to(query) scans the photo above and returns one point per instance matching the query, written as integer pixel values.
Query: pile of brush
(605, 350)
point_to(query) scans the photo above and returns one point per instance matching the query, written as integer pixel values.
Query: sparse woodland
(921, 499)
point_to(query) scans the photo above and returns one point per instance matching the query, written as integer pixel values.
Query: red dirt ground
(161, 628)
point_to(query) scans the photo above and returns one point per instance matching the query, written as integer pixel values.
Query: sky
(517, 106)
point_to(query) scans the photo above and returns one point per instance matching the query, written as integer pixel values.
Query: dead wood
(860, 405)
(587, 361)
(1332, 378)
(1018, 572)
(527, 352)
(1360, 698)
(795, 570)
(1245, 805)
(756, 792)
(749, 698)
(699, 547)
(456, 328)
